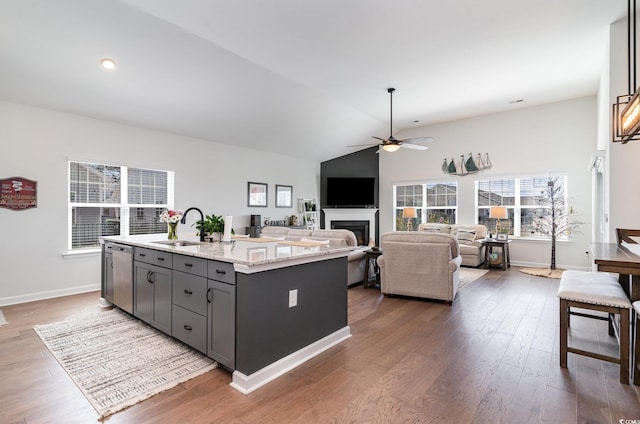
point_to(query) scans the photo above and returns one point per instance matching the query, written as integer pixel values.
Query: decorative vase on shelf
(173, 230)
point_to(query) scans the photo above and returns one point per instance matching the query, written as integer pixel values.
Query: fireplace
(363, 218)
(359, 228)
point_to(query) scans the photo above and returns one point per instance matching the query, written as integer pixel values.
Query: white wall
(37, 143)
(557, 138)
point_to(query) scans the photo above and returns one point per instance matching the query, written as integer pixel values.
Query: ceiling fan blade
(413, 146)
(418, 140)
(360, 145)
(378, 138)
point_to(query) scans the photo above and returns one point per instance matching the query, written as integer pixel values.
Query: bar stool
(626, 235)
(596, 291)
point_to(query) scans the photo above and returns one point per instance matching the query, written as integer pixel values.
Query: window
(434, 202)
(523, 198)
(106, 200)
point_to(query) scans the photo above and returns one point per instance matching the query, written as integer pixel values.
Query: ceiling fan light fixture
(390, 147)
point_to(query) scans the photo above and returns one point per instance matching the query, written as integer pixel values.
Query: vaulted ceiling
(302, 78)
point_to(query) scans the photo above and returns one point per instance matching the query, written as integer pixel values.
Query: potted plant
(212, 224)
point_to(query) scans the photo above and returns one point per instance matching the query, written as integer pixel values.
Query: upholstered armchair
(419, 264)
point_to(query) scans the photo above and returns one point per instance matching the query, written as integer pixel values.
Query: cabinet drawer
(153, 257)
(190, 292)
(190, 264)
(189, 327)
(221, 271)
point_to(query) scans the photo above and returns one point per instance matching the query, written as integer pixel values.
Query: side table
(490, 244)
(371, 255)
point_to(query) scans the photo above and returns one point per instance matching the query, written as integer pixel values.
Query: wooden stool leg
(564, 326)
(624, 345)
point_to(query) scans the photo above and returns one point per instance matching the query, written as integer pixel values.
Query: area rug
(3, 320)
(469, 275)
(543, 272)
(117, 360)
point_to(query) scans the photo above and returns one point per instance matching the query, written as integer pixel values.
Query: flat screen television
(345, 192)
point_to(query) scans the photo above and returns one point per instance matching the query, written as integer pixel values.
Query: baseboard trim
(248, 383)
(32, 297)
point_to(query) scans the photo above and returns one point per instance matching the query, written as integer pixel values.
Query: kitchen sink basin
(180, 243)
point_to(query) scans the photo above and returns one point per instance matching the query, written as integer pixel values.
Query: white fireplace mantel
(352, 214)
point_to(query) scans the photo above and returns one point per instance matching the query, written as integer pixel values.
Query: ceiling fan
(391, 144)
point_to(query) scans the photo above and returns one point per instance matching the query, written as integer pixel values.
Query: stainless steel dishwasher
(123, 277)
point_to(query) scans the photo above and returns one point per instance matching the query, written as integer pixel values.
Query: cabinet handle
(188, 327)
(142, 254)
(218, 271)
(161, 259)
(208, 291)
(151, 277)
(189, 265)
(188, 292)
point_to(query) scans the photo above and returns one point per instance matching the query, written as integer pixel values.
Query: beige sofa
(419, 264)
(355, 263)
(472, 251)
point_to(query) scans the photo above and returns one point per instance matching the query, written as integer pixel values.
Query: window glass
(434, 202)
(524, 198)
(134, 209)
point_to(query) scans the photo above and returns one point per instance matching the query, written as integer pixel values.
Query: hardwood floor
(491, 357)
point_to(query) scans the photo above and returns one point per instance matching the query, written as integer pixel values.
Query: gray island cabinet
(258, 308)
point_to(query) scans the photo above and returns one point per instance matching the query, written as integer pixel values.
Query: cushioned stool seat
(597, 291)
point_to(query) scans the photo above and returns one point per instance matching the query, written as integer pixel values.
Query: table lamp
(498, 213)
(409, 213)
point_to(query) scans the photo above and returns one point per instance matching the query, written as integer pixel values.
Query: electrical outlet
(293, 298)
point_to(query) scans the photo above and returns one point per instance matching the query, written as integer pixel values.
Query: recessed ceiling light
(108, 64)
(516, 101)
(416, 121)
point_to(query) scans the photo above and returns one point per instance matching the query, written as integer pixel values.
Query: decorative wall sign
(466, 166)
(18, 193)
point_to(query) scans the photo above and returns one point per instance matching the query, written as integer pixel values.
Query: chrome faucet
(184, 221)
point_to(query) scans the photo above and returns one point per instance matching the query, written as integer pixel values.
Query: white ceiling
(299, 77)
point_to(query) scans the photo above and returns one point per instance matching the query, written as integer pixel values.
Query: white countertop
(247, 256)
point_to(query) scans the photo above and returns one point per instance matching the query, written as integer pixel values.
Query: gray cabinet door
(221, 337)
(152, 295)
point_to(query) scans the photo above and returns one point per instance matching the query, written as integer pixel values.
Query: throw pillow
(308, 240)
(466, 236)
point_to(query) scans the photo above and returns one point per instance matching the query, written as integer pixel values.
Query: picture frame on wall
(284, 196)
(257, 194)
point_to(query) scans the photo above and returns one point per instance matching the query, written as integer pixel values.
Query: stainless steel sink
(180, 243)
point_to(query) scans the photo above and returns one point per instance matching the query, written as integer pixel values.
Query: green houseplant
(212, 224)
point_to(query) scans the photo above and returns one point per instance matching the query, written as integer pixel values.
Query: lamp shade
(409, 213)
(498, 212)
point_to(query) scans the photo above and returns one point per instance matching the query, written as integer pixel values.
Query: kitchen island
(258, 307)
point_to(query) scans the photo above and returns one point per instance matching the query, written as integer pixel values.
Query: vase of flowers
(171, 218)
